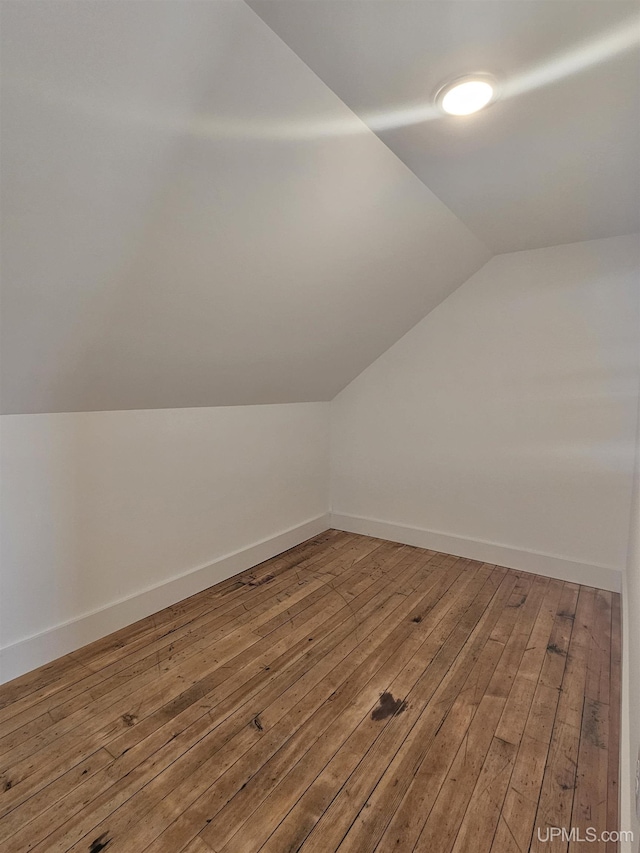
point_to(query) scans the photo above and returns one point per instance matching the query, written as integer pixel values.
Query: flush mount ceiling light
(467, 94)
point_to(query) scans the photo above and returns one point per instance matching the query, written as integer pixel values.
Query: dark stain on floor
(556, 650)
(388, 707)
(417, 619)
(129, 719)
(563, 614)
(99, 843)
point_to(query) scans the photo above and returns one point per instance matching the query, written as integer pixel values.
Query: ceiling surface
(554, 160)
(196, 209)
(179, 227)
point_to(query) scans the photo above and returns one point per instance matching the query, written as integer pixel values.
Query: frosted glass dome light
(466, 95)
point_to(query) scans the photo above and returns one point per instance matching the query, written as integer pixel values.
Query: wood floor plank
(210, 731)
(357, 726)
(197, 846)
(441, 810)
(124, 727)
(342, 686)
(457, 697)
(115, 712)
(483, 811)
(180, 723)
(196, 633)
(358, 815)
(45, 679)
(349, 695)
(18, 695)
(592, 768)
(516, 829)
(419, 678)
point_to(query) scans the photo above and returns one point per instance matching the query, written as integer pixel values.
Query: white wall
(102, 507)
(630, 740)
(505, 418)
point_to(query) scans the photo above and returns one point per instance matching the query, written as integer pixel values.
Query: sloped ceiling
(554, 160)
(192, 218)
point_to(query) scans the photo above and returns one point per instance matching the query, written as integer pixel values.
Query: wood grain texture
(349, 695)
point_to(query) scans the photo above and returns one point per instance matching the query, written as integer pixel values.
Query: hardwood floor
(349, 695)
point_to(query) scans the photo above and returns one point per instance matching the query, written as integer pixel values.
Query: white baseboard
(39, 649)
(602, 577)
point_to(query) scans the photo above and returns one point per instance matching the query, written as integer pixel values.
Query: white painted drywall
(508, 414)
(536, 169)
(192, 218)
(101, 506)
(630, 740)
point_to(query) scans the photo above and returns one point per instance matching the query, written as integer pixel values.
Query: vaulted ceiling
(554, 160)
(196, 213)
